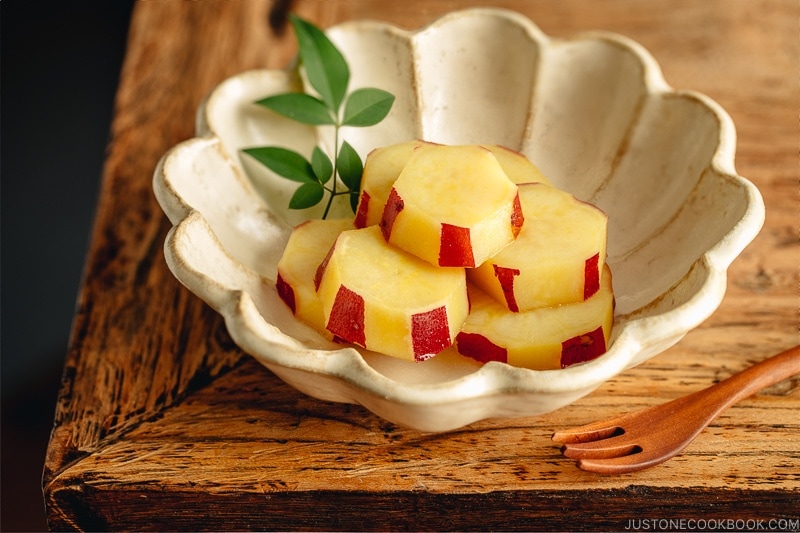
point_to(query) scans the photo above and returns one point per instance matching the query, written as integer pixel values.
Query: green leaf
(322, 165)
(349, 166)
(300, 107)
(325, 65)
(354, 196)
(328, 74)
(367, 107)
(307, 195)
(284, 162)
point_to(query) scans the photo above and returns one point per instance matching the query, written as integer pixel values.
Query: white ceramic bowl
(593, 112)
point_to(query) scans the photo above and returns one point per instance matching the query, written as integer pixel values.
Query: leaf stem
(335, 169)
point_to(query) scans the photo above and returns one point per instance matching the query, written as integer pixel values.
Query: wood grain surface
(162, 423)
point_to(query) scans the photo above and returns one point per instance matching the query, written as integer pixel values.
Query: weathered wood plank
(136, 346)
(249, 421)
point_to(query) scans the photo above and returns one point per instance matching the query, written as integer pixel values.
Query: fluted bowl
(593, 112)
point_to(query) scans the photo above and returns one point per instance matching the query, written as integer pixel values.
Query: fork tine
(601, 449)
(597, 430)
(624, 464)
(588, 433)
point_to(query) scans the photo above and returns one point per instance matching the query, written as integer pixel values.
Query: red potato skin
(346, 320)
(455, 247)
(480, 348)
(583, 348)
(363, 207)
(321, 268)
(591, 276)
(286, 293)
(394, 205)
(517, 218)
(430, 333)
(505, 276)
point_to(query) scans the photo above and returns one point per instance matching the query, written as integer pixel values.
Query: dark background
(59, 69)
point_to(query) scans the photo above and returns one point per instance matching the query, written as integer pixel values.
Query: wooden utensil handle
(751, 380)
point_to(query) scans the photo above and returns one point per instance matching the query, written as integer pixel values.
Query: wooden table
(163, 423)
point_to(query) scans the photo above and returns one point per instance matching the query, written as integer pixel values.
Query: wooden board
(163, 423)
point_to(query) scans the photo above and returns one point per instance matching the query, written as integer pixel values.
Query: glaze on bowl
(593, 112)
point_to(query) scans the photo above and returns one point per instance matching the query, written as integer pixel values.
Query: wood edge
(289, 510)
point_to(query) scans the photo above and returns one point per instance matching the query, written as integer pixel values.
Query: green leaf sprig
(328, 73)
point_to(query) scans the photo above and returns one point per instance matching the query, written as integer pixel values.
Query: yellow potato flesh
(549, 257)
(381, 169)
(307, 247)
(392, 286)
(401, 285)
(517, 167)
(459, 186)
(536, 339)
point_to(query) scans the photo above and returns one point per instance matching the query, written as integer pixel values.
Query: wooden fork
(645, 438)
